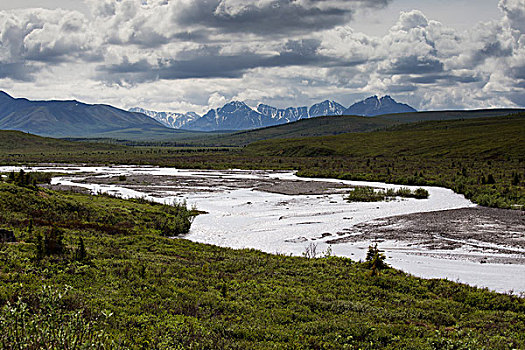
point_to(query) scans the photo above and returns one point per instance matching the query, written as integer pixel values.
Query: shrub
(365, 194)
(421, 193)
(49, 325)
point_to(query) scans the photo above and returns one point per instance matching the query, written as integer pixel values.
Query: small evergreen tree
(30, 227)
(516, 179)
(39, 246)
(80, 253)
(53, 242)
(375, 260)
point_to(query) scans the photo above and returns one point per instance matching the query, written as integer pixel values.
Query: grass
(319, 126)
(137, 289)
(480, 158)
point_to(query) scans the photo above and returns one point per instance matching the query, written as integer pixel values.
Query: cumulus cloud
(31, 37)
(208, 51)
(270, 16)
(514, 11)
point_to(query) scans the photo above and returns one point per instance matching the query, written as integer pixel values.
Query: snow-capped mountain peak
(169, 119)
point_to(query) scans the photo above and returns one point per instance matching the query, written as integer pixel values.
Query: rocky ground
(485, 235)
(183, 184)
(480, 234)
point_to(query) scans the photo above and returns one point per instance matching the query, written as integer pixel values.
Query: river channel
(444, 236)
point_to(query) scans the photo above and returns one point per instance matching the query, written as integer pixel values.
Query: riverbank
(277, 212)
(115, 282)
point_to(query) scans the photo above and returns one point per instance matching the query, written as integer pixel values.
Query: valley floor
(97, 272)
(275, 211)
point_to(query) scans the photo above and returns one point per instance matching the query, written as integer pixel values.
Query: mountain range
(237, 115)
(169, 119)
(68, 118)
(74, 119)
(373, 106)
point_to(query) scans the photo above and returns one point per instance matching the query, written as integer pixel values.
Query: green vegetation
(22, 207)
(368, 194)
(335, 125)
(375, 260)
(49, 322)
(19, 143)
(117, 282)
(480, 158)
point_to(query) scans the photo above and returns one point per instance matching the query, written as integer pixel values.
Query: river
(278, 212)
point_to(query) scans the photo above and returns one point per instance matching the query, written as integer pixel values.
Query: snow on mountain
(235, 115)
(281, 116)
(373, 106)
(326, 108)
(169, 119)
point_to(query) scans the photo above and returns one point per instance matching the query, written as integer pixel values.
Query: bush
(368, 194)
(49, 325)
(365, 194)
(421, 193)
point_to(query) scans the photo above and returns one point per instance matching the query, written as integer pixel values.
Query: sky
(193, 55)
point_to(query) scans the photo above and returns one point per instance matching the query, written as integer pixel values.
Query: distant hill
(12, 141)
(69, 118)
(373, 106)
(485, 138)
(319, 126)
(335, 125)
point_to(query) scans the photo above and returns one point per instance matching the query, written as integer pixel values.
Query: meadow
(482, 158)
(83, 271)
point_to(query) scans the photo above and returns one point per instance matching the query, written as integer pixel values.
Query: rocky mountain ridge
(237, 115)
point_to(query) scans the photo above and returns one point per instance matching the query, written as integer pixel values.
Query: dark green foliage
(53, 242)
(29, 179)
(7, 235)
(368, 194)
(165, 293)
(421, 193)
(49, 323)
(39, 246)
(515, 179)
(19, 205)
(375, 260)
(365, 194)
(80, 252)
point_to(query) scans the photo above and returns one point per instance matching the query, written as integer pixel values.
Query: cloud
(413, 65)
(17, 71)
(153, 23)
(216, 100)
(514, 11)
(31, 37)
(209, 61)
(299, 51)
(276, 17)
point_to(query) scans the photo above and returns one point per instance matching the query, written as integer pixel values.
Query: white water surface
(288, 224)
